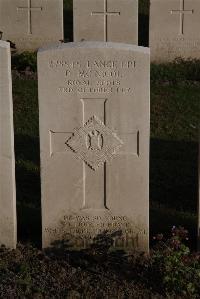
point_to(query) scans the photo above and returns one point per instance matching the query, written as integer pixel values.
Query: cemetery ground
(170, 270)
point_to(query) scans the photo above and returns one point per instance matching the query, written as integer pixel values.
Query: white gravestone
(31, 24)
(8, 227)
(106, 20)
(173, 29)
(94, 138)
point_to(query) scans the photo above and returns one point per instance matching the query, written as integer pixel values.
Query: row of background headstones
(143, 22)
(172, 24)
(27, 23)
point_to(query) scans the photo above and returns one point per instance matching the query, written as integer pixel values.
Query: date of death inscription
(95, 76)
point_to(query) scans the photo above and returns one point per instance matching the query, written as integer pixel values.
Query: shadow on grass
(143, 31)
(68, 25)
(162, 220)
(27, 148)
(174, 174)
(28, 189)
(97, 257)
(174, 187)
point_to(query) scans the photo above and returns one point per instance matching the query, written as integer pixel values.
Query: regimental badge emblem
(94, 143)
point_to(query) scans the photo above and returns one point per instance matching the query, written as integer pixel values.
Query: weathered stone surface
(7, 161)
(106, 20)
(31, 24)
(174, 29)
(94, 138)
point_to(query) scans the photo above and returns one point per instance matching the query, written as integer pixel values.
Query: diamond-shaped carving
(94, 143)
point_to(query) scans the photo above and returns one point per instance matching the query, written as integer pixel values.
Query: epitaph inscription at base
(174, 29)
(8, 226)
(94, 137)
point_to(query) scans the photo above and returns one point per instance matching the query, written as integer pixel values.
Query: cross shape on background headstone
(29, 10)
(182, 12)
(94, 180)
(105, 14)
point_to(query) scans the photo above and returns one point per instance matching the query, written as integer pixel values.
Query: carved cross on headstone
(105, 14)
(29, 10)
(182, 13)
(95, 144)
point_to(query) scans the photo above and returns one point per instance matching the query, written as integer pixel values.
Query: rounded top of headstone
(96, 45)
(4, 44)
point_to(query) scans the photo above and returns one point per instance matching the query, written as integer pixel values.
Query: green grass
(26, 107)
(27, 159)
(175, 112)
(163, 218)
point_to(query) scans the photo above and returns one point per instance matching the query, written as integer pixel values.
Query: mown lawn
(175, 115)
